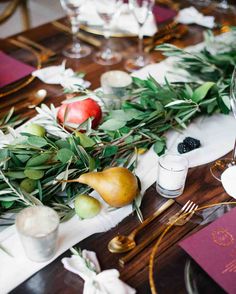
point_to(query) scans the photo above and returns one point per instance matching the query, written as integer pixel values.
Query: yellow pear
(116, 185)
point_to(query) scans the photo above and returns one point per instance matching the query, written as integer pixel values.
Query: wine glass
(107, 10)
(76, 50)
(222, 164)
(141, 9)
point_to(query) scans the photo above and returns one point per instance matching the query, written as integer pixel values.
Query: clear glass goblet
(76, 50)
(107, 10)
(141, 9)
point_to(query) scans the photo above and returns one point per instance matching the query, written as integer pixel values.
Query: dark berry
(183, 148)
(192, 143)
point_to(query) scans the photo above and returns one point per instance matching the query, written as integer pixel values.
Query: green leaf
(15, 174)
(62, 144)
(201, 92)
(64, 155)
(3, 154)
(226, 101)
(110, 151)
(37, 141)
(38, 160)
(159, 147)
(112, 125)
(85, 141)
(34, 174)
(7, 204)
(8, 198)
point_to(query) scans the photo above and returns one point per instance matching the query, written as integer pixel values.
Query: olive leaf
(65, 155)
(37, 141)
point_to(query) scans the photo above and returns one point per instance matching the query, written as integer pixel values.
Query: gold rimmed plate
(98, 30)
(23, 82)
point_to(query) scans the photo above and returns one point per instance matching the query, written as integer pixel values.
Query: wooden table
(200, 186)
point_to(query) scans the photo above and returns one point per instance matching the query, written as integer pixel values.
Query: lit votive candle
(37, 227)
(172, 172)
(114, 85)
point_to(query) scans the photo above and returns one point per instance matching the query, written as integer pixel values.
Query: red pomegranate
(80, 111)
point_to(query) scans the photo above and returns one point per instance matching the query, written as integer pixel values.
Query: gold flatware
(87, 39)
(38, 98)
(36, 45)
(31, 101)
(122, 243)
(177, 219)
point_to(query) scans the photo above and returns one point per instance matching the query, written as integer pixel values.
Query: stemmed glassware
(141, 9)
(220, 165)
(72, 8)
(107, 10)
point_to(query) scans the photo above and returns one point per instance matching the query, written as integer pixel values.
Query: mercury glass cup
(37, 227)
(141, 9)
(72, 8)
(107, 10)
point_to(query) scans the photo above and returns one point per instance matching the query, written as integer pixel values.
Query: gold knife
(88, 39)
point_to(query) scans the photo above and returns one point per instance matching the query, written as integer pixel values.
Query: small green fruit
(35, 129)
(86, 206)
(28, 185)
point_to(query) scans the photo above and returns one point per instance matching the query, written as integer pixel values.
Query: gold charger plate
(98, 30)
(16, 86)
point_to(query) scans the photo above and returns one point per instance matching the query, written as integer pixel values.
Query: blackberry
(192, 143)
(183, 148)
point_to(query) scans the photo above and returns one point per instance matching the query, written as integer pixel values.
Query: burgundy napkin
(163, 14)
(12, 70)
(214, 249)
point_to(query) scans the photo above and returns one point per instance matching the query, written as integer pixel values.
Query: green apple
(35, 129)
(86, 206)
(28, 185)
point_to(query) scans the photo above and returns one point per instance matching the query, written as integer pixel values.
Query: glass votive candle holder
(171, 175)
(114, 85)
(37, 227)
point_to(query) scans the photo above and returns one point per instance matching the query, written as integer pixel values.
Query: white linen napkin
(191, 15)
(124, 21)
(95, 280)
(58, 74)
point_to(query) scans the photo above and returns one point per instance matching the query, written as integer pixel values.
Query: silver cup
(37, 227)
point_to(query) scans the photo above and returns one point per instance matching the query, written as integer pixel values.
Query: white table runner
(216, 133)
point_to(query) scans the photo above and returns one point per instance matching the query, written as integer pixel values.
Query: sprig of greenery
(9, 121)
(141, 122)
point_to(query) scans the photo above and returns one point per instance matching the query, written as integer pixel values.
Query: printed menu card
(12, 70)
(214, 249)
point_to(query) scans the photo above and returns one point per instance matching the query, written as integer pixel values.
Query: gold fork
(180, 218)
(189, 208)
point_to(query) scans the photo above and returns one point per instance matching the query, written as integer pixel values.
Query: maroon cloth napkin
(163, 14)
(12, 70)
(214, 249)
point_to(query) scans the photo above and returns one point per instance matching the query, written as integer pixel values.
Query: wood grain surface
(200, 186)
